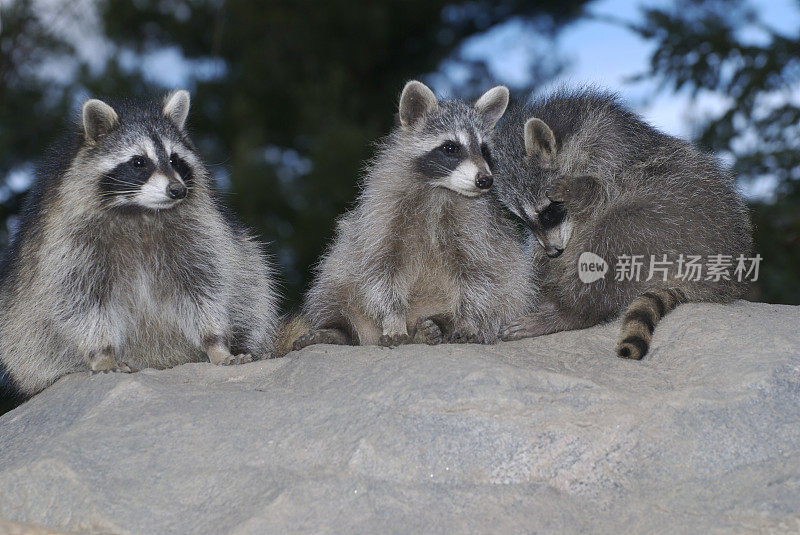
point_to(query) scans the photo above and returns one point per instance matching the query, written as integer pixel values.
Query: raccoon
(588, 176)
(426, 255)
(126, 258)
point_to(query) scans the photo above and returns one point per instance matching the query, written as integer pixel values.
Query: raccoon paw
(394, 340)
(321, 336)
(427, 332)
(575, 192)
(461, 337)
(559, 190)
(119, 367)
(513, 331)
(304, 341)
(231, 360)
(527, 327)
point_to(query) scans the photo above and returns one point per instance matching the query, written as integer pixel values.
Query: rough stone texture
(15, 528)
(553, 434)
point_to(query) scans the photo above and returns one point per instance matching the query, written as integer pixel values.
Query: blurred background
(288, 96)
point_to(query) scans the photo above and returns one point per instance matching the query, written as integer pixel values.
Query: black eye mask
(553, 215)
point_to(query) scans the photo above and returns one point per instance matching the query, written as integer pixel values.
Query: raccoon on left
(127, 258)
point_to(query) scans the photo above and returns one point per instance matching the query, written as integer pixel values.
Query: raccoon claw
(459, 337)
(427, 332)
(241, 358)
(513, 331)
(526, 327)
(304, 341)
(394, 340)
(554, 195)
(120, 367)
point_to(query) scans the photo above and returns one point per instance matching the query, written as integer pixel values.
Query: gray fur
(419, 246)
(627, 189)
(94, 280)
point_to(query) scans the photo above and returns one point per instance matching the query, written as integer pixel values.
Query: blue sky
(606, 54)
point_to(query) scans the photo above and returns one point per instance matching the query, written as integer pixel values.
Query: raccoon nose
(176, 191)
(484, 181)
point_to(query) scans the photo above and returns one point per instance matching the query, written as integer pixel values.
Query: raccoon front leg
(466, 326)
(211, 320)
(386, 300)
(579, 194)
(96, 336)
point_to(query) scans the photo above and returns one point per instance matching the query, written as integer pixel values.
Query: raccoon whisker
(118, 193)
(442, 168)
(130, 187)
(124, 183)
(119, 180)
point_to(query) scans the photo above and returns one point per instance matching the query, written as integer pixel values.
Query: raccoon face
(150, 179)
(448, 139)
(548, 222)
(143, 162)
(460, 163)
(525, 181)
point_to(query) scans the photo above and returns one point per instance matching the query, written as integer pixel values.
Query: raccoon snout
(176, 191)
(483, 181)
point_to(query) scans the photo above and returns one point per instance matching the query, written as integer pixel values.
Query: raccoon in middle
(426, 255)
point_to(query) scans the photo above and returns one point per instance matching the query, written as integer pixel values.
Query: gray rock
(553, 434)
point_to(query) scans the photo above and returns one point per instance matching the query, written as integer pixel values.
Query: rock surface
(553, 434)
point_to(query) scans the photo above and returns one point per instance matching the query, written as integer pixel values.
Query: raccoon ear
(98, 119)
(540, 141)
(492, 104)
(176, 107)
(415, 101)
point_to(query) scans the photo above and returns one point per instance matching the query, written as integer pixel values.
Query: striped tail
(641, 318)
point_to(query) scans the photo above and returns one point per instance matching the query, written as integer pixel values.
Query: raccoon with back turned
(426, 255)
(588, 176)
(126, 258)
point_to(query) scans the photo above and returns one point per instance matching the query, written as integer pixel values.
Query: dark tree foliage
(701, 45)
(33, 110)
